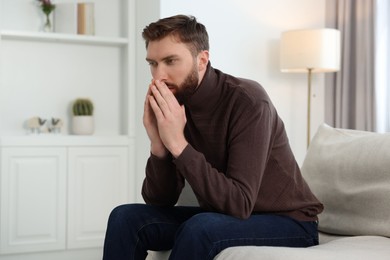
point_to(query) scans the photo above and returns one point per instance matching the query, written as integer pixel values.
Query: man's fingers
(163, 89)
(167, 94)
(160, 100)
(156, 108)
(148, 94)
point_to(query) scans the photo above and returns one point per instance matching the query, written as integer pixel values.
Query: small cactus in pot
(82, 107)
(83, 123)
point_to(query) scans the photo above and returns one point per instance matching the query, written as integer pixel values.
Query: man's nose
(159, 73)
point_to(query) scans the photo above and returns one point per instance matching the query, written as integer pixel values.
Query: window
(382, 64)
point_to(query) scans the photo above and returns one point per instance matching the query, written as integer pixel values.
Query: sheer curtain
(358, 96)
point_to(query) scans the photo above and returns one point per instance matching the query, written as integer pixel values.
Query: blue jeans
(192, 233)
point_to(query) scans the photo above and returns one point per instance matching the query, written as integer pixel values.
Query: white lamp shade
(317, 49)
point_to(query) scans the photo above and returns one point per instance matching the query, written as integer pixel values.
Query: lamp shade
(317, 49)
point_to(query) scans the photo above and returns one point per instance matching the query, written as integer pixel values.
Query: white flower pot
(83, 125)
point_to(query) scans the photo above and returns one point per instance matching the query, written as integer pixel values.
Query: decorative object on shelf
(82, 121)
(86, 18)
(47, 8)
(56, 125)
(36, 125)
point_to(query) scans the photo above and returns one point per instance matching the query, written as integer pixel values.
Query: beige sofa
(349, 171)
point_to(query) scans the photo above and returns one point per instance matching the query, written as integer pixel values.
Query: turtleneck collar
(207, 94)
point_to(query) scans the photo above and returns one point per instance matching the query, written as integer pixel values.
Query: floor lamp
(310, 51)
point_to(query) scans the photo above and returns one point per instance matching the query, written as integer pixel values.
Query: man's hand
(170, 117)
(157, 147)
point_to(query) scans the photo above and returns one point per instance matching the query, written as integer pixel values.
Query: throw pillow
(349, 172)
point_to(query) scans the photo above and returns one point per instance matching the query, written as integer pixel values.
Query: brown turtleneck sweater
(238, 161)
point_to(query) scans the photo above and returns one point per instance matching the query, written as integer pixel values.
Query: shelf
(63, 38)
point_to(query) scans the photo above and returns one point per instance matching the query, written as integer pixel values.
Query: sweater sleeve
(235, 191)
(162, 184)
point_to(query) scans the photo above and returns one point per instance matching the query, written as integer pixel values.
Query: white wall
(244, 41)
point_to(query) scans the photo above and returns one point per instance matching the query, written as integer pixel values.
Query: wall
(244, 41)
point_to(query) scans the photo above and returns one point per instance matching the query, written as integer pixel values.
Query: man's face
(172, 63)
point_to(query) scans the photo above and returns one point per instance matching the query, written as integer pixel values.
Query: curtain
(350, 93)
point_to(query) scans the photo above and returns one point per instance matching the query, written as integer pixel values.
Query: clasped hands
(164, 120)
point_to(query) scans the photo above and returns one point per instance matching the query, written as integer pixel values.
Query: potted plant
(82, 121)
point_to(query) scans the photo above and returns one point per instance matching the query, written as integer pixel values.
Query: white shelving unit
(40, 75)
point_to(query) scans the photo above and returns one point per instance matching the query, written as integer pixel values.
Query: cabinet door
(32, 199)
(98, 181)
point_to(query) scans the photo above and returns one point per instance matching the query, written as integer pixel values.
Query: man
(224, 137)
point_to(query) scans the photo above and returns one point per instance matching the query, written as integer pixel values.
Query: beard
(187, 88)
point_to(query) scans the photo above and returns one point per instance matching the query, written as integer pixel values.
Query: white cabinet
(97, 181)
(33, 199)
(57, 192)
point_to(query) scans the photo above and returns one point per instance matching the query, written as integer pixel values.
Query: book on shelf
(86, 18)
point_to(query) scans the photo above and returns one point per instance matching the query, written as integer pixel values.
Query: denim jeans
(192, 233)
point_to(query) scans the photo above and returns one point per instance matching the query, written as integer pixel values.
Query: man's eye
(152, 64)
(170, 61)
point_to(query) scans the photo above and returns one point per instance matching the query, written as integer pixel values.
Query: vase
(48, 26)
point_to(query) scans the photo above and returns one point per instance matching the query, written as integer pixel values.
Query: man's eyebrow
(169, 57)
(163, 59)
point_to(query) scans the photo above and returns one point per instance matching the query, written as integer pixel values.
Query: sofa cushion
(335, 248)
(349, 172)
(357, 248)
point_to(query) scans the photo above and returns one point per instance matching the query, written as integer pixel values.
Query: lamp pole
(309, 71)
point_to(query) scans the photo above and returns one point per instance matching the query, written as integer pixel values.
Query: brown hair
(185, 28)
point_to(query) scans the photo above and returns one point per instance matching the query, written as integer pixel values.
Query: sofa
(349, 171)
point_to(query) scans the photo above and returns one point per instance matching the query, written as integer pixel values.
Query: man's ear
(203, 60)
